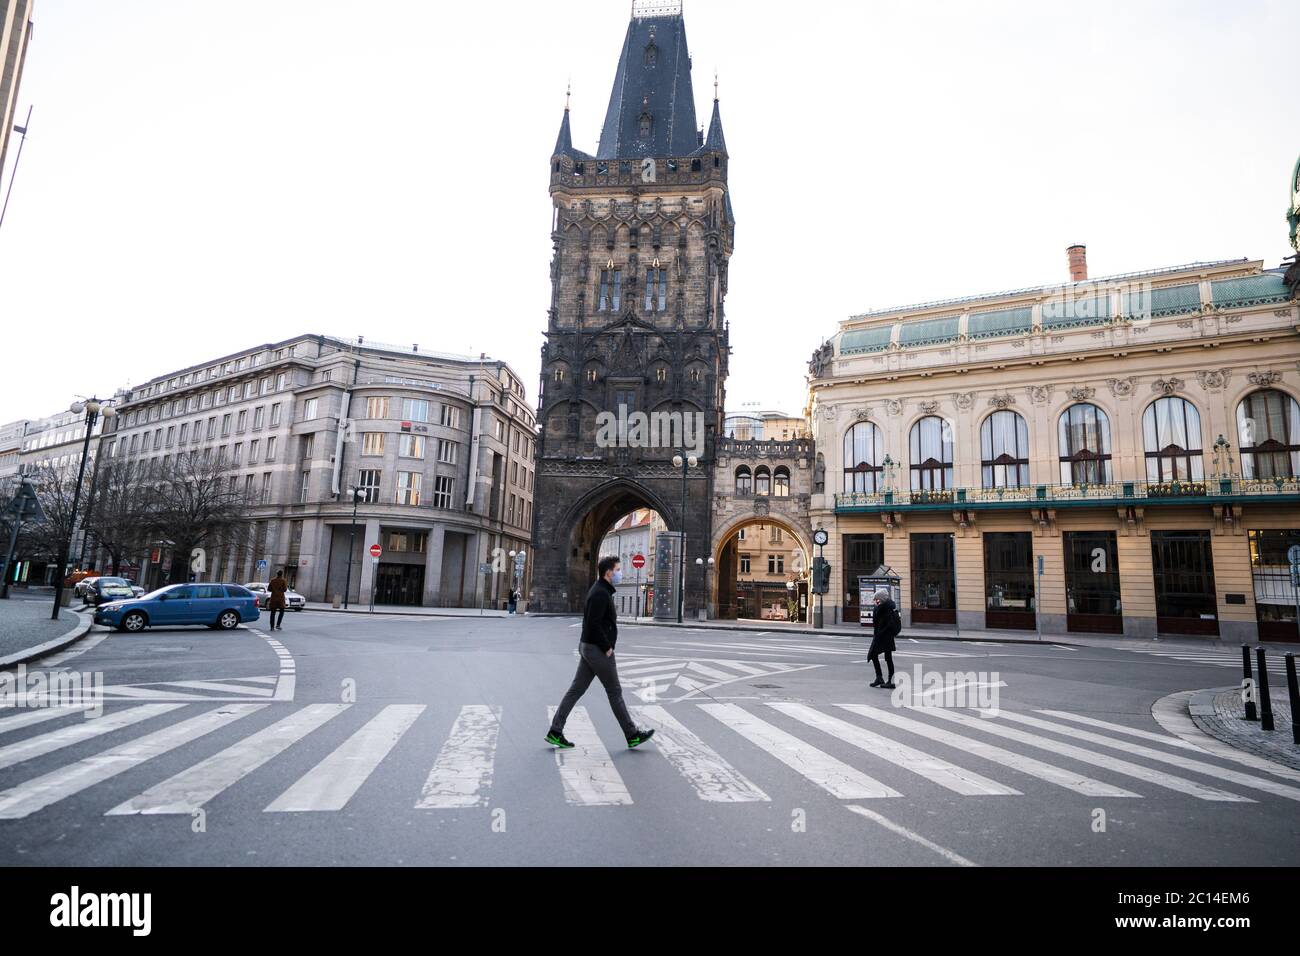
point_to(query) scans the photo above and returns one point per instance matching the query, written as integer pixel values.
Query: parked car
(83, 584)
(292, 599)
(105, 588)
(223, 606)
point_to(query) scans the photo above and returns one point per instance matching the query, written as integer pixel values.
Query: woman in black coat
(888, 624)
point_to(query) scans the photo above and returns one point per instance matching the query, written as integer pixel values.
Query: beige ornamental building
(1110, 456)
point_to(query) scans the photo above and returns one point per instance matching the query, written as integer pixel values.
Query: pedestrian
(596, 658)
(513, 602)
(275, 600)
(888, 624)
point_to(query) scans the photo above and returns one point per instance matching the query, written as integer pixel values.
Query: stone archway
(725, 551)
(585, 524)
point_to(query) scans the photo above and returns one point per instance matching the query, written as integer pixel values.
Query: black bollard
(1293, 691)
(1265, 703)
(1247, 684)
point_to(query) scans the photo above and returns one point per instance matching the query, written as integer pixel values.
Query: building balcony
(1217, 491)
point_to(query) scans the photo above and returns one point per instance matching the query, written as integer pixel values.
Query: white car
(292, 599)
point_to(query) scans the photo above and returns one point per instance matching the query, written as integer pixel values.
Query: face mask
(618, 577)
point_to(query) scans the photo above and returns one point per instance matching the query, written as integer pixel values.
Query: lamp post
(699, 562)
(685, 463)
(357, 494)
(93, 407)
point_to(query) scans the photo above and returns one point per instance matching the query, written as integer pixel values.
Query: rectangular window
(266, 487)
(745, 564)
(368, 484)
(377, 407)
(225, 425)
(241, 422)
(275, 414)
(184, 432)
(415, 410)
(411, 446)
(237, 454)
(611, 290)
(934, 585)
(447, 451)
(1270, 567)
(372, 443)
(259, 416)
(308, 447)
(450, 416)
(656, 290)
(270, 448)
(408, 487)
(309, 409)
(442, 491)
(776, 564)
(253, 447)
(1009, 580)
(305, 489)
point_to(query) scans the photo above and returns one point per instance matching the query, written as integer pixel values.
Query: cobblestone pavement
(25, 624)
(1221, 714)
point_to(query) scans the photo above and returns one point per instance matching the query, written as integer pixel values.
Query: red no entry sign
(638, 561)
(376, 550)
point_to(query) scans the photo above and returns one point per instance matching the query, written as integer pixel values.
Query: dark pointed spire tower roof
(564, 141)
(715, 140)
(652, 106)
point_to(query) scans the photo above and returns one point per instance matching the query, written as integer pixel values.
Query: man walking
(596, 658)
(888, 623)
(275, 600)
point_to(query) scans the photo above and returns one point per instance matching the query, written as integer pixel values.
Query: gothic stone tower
(642, 232)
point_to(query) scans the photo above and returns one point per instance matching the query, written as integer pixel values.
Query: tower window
(651, 54)
(647, 125)
(656, 290)
(611, 290)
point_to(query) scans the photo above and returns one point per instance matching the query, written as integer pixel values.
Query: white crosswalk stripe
(333, 782)
(704, 743)
(834, 776)
(27, 798)
(587, 772)
(37, 715)
(462, 774)
(938, 771)
(1114, 764)
(712, 777)
(190, 789)
(1028, 765)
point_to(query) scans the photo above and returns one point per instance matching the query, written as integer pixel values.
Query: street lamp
(700, 562)
(93, 408)
(684, 463)
(357, 495)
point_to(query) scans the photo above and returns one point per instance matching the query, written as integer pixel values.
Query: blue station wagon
(223, 606)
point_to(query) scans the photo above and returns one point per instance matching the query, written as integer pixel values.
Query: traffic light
(821, 576)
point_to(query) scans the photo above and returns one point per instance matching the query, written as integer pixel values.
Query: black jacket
(888, 624)
(599, 619)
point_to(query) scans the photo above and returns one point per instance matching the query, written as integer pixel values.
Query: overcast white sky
(207, 175)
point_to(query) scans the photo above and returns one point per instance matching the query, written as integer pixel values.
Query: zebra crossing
(851, 751)
(650, 679)
(1276, 664)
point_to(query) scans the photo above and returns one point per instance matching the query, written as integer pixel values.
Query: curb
(49, 647)
(428, 613)
(987, 637)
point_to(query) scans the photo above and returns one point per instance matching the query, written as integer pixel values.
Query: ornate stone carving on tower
(642, 234)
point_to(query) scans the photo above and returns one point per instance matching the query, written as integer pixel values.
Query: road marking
(462, 773)
(834, 776)
(79, 732)
(763, 648)
(1157, 777)
(1171, 713)
(921, 698)
(336, 779)
(945, 774)
(1166, 739)
(89, 642)
(1027, 765)
(33, 795)
(221, 687)
(192, 788)
(1186, 763)
(587, 772)
(712, 777)
(902, 831)
(37, 715)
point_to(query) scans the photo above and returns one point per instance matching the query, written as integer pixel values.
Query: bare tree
(193, 504)
(119, 513)
(55, 487)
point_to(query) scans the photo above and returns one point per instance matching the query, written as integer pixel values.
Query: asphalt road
(346, 739)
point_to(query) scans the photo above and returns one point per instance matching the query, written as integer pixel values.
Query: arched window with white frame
(863, 457)
(1004, 450)
(1084, 438)
(1171, 434)
(1268, 434)
(931, 445)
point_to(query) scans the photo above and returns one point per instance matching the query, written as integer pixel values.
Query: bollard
(1247, 684)
(1293, 691)
(1265, 703)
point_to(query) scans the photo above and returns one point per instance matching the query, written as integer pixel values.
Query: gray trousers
(593, 663)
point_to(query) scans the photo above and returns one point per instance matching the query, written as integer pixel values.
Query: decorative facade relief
(1213, 379)
(1081, 393)
(1120, 387)
(1004, 400)
(1167, 386)
(1264, 379)
(1038, 394)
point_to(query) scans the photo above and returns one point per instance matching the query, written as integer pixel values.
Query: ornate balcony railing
(772, 448)
(1220, 490)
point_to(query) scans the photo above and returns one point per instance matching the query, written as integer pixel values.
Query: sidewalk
(27, 632)
(1220, 713)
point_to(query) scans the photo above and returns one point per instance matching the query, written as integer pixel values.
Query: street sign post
(1038, 600)
(376, 551)
(638, 562)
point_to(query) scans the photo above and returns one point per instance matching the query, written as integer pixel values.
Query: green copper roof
(984, 325)
(866, 340)
(1063, 312)
(1251, 290)
(929, 331)
(1168, 300)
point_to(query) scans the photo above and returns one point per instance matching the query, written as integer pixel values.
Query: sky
(203, 176)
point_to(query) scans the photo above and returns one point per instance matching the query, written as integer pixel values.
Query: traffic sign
(376, 551)
(261, 564)
(638, 561)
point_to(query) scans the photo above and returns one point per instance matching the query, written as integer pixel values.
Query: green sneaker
(559, 740)
(640, 737)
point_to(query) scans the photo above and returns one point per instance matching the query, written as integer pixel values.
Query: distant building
(440, 446)
(631, 535)
(765, 425)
